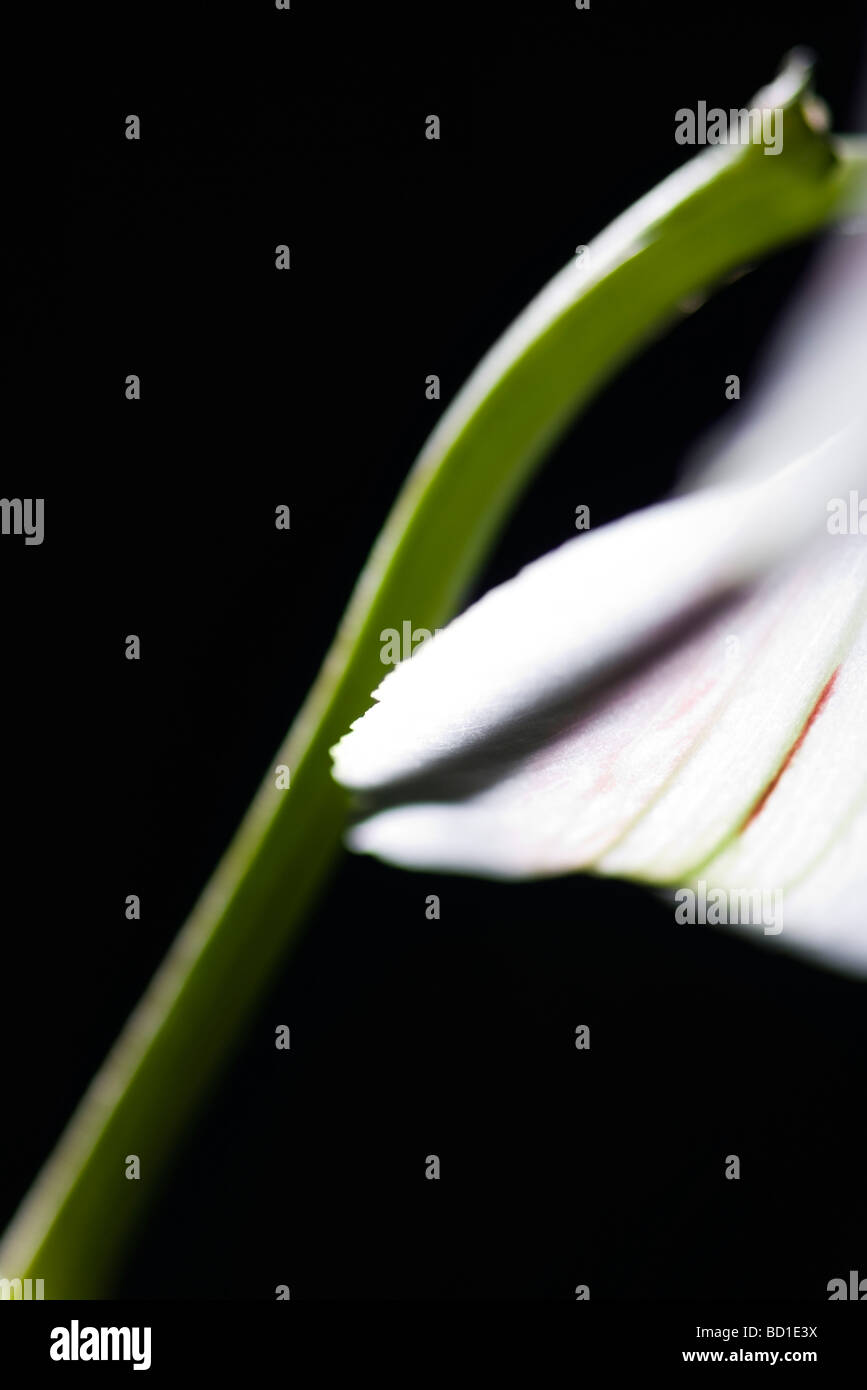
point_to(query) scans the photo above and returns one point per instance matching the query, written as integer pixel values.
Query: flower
(679, 697)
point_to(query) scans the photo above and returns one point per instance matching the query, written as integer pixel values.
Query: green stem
(725, 208)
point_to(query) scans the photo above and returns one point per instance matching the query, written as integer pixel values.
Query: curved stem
(728, 206)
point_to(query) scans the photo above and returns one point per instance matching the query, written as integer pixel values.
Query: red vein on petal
(814, 714)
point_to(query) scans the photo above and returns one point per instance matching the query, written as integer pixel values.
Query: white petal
(826, 913)
(700, 734)
(570, 619)
(711, 795)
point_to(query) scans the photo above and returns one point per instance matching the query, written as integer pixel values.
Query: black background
(409, 1037)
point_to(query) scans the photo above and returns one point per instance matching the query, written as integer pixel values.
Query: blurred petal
(808, 835)
(826, 911)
